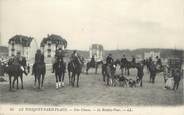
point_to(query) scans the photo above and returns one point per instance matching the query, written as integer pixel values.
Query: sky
(116, 24)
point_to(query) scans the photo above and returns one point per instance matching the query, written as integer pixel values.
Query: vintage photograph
(92, 53)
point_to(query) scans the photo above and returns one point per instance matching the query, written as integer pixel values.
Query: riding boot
(59, 84)
(63, 84)
(56, 85)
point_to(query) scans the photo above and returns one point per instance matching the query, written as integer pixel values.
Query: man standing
(123, 63)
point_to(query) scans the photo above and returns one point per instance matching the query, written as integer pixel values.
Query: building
(151, 54)
(96, 50)
(24, 44)
(51, 43)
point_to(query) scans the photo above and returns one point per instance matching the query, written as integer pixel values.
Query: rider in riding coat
(133, 59)
(20, 61)
(123, 60)
(158, 63)
(75, 58)
(58, 56)
(39, 59)
(93, 60)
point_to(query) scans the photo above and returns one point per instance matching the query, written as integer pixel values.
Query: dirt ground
(92, 91)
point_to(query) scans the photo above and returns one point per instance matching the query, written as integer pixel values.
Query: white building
(96, 50)
(27, 46)
(151, 54)
(50, 44)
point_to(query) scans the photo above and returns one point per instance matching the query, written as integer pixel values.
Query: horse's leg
(63, 78)
(177, 84)
(43, 76)
(128, 71)
(21, 78)
(10, 82)
(154, 79)
(107, 80)
(141, 82)
(96, 69)
(39, 81)
(17, 82)
(14, 81)
(35, 81)
(69, 77)
(56, 81)
(78, 74)
(87, 68)
(59, 79)
(73, 79)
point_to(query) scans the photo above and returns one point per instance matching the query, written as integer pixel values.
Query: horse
(59, 68)
(14, 70)
(93, 65)
(39, 70)
(74, 67)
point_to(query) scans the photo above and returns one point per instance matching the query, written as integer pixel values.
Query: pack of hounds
(122, 81)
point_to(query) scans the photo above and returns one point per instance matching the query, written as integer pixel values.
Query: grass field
(92, 91)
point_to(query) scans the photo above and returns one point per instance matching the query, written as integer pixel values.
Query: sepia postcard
(91, 57)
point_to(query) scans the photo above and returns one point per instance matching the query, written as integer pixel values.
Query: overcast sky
(123, 24)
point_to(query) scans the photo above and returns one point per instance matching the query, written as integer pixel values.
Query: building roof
(25, 41)
(54, 39)
(97, 46)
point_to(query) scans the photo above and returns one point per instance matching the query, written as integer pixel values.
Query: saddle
(92, 63)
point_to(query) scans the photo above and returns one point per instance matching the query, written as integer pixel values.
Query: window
(48, 55)
(49, 50)
(12, 49)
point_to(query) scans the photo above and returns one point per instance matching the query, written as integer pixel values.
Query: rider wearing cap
(93, 60)
(58, 56)
(133, 59)
(39, 59)
(109, 59)
(20, 61)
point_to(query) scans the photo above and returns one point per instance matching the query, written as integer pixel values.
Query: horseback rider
(20, 61)
(39, 59)
(158, 61)
(74, 57)
(109, 59)
(133, 60)
(93, 61)
(123, 60)
(58, 57)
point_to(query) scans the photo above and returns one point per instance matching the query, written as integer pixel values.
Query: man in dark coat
(39, 59)
(20, 61)
(109, 59)
(58, 56)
